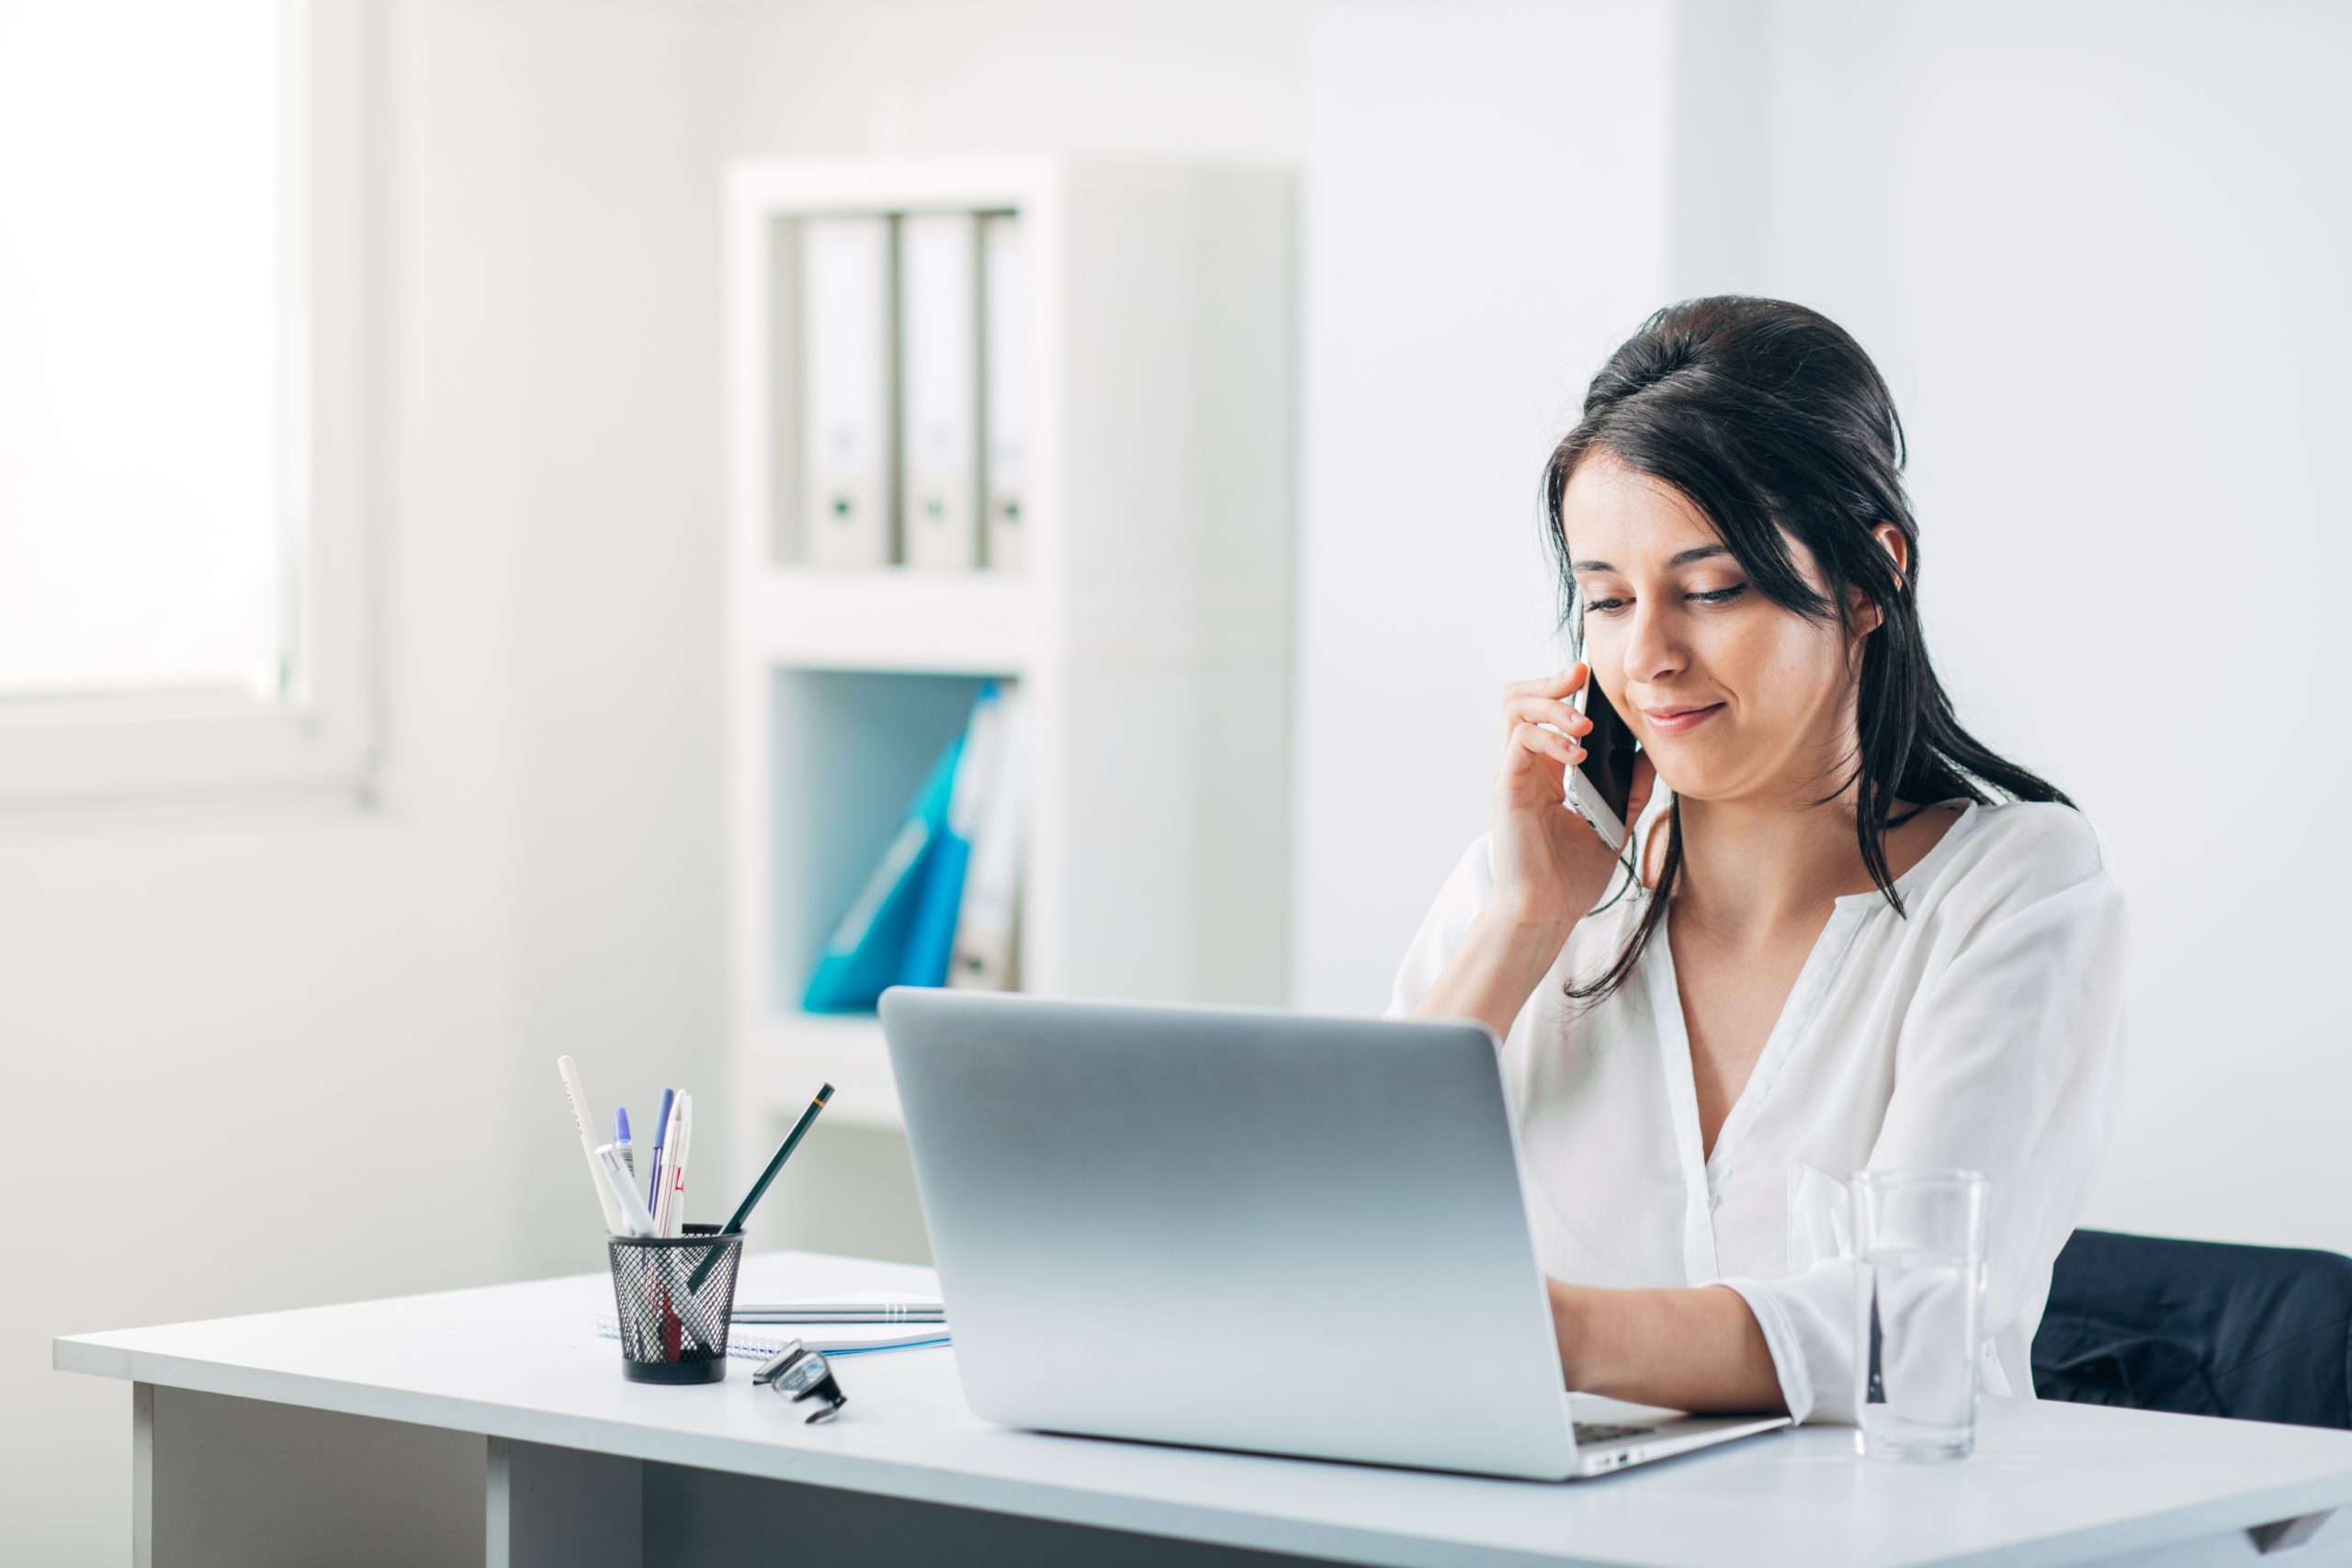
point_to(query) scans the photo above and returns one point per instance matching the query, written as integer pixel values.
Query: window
(183, 409)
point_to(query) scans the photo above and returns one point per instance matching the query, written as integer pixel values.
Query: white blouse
(1984, 1031)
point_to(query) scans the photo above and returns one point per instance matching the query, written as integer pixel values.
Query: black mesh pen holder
(669, 1332)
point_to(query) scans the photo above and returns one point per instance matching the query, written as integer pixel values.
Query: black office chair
(2200, 1328)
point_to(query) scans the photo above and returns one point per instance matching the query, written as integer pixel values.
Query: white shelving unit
(1150, 624)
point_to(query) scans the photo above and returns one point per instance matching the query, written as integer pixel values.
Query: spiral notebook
(758, 1341)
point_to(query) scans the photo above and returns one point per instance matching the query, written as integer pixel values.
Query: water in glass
(1917, 1321)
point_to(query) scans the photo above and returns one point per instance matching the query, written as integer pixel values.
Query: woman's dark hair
(1768, 416)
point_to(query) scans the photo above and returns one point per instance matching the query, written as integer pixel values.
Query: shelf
(885, 183)
(1148, 625)
(891, 617)
(785, 1056)
(847, 750)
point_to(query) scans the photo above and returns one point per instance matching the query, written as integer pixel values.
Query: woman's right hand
(1550, 866)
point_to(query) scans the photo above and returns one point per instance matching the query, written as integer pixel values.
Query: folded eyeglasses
(799, 1373)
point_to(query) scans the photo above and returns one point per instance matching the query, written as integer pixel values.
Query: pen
(665, 1148)
(623, 1189)
(578, 1099)
(620, 1142)
(670, 1219)
(686, 1154)
(660, 1131)
(759, 1188)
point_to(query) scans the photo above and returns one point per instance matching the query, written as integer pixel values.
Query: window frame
(318, 732)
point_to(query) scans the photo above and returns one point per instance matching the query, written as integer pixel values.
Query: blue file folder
(931, 944)
(870, 947)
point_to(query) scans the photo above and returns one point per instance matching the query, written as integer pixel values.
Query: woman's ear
(1867, 618)
(1889, 539)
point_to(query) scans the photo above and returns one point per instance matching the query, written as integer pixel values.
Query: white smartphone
(1600, 786)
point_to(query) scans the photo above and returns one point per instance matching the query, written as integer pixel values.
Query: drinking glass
(1919, 1310)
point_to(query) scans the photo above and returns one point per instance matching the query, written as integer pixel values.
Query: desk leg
(562, 1508)
(142, 1475)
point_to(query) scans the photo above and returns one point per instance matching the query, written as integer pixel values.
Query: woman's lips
(1679, 721)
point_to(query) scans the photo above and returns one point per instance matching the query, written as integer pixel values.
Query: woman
(1833, 949)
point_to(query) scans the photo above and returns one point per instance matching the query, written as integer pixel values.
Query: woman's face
(1733, 696)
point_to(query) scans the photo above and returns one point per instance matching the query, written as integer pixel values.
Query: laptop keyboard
(1607, 1432)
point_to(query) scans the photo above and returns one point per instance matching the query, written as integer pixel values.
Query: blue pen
(660, 1129)
(620, 1140)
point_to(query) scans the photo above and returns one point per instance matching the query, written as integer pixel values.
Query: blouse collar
(1971, 816)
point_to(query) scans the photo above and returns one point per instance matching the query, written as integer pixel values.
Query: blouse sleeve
(2010, 1063)
(1444, 928)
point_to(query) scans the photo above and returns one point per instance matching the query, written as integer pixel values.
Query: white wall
(361, 989)
(2098, 250)
(1207, 79)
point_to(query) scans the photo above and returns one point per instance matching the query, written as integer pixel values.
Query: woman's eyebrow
(1700, 553)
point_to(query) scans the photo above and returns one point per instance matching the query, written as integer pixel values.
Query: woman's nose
(1654, 647)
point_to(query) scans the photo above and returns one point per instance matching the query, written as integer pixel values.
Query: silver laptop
(1246, 1229)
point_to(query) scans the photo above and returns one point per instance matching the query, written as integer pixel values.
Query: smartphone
(1600, 786)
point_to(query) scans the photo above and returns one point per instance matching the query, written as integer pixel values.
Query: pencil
(759, 1188)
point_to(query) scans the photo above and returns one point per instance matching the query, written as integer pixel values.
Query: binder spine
(848, 444)
(940, 377)
(1005, 350)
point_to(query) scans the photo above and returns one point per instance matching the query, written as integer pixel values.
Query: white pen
(578, 1099)
(678, 1174)
(663, 1198)
(624, 1186)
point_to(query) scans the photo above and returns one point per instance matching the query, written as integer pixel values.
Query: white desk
(493, 1427)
